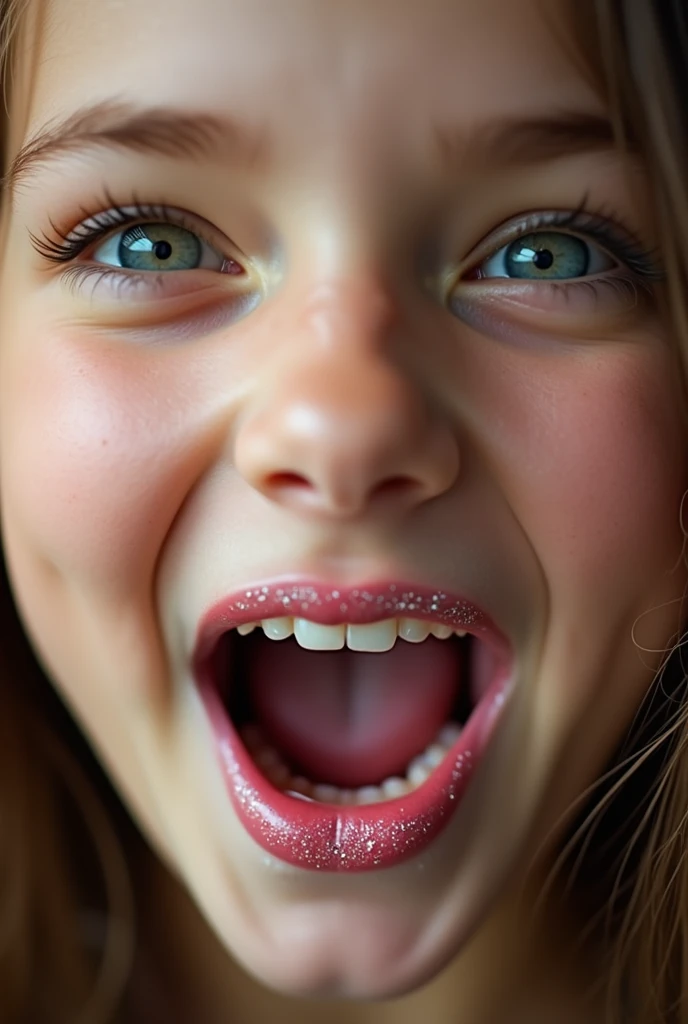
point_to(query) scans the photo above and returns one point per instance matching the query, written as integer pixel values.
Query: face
(363, 342)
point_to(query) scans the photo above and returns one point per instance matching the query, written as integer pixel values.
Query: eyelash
(601, 226)
(65, 247)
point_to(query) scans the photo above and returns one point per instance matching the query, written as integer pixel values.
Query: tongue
(348, 718)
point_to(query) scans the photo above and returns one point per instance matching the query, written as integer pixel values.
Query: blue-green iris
(547, 255)
(159, 247)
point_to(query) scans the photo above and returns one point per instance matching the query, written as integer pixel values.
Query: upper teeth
(374, 636)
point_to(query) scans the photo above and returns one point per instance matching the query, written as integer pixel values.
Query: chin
(360, 950)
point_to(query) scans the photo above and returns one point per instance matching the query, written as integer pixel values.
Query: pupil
(162, 250)
(543, 259)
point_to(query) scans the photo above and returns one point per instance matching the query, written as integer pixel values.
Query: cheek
(87, 458)
(596, 466)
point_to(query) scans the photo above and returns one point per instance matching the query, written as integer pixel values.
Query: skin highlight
(173, 448)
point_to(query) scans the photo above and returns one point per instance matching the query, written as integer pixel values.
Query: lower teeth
(279, 774)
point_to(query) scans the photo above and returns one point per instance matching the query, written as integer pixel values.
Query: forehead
(307, 65)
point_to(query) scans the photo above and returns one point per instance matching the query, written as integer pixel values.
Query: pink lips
(325, 837)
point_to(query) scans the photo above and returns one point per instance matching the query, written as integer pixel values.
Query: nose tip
(339, 438)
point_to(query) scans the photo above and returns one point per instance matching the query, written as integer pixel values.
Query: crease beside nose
(340, 439)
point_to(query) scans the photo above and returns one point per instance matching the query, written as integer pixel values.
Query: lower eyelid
(114, 283)
(551, 302)
(565, 320)
(98, 260)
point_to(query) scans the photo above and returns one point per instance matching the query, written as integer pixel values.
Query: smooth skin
(163, 446)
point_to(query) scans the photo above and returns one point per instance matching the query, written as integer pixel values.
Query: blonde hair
(626, 856)
(638, 49)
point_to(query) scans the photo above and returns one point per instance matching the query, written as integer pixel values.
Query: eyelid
(68, 244)
(180, 218)
(510, 230)
(604, 229)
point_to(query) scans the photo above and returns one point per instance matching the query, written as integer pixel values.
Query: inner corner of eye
(476, 270)
(473, 273)
(231, 267)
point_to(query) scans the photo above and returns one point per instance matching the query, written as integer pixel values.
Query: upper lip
(329, 604)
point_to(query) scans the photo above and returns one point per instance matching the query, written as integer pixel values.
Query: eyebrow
(120, 124)
(169, 131)
(516, 141)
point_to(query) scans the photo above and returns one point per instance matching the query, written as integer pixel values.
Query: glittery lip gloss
(325, 837)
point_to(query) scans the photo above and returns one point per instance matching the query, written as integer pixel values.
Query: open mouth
(347, 734)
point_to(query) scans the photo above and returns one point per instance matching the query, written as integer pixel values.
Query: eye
(545, 256)
(158, 247)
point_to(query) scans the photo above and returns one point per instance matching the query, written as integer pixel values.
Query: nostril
(289, 486)
(287, 481)
(395, 487)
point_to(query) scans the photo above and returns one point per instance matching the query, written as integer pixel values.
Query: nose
(337, 427)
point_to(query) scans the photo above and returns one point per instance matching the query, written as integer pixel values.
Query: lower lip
(323, 837)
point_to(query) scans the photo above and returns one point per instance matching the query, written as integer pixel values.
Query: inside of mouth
(347, 726)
